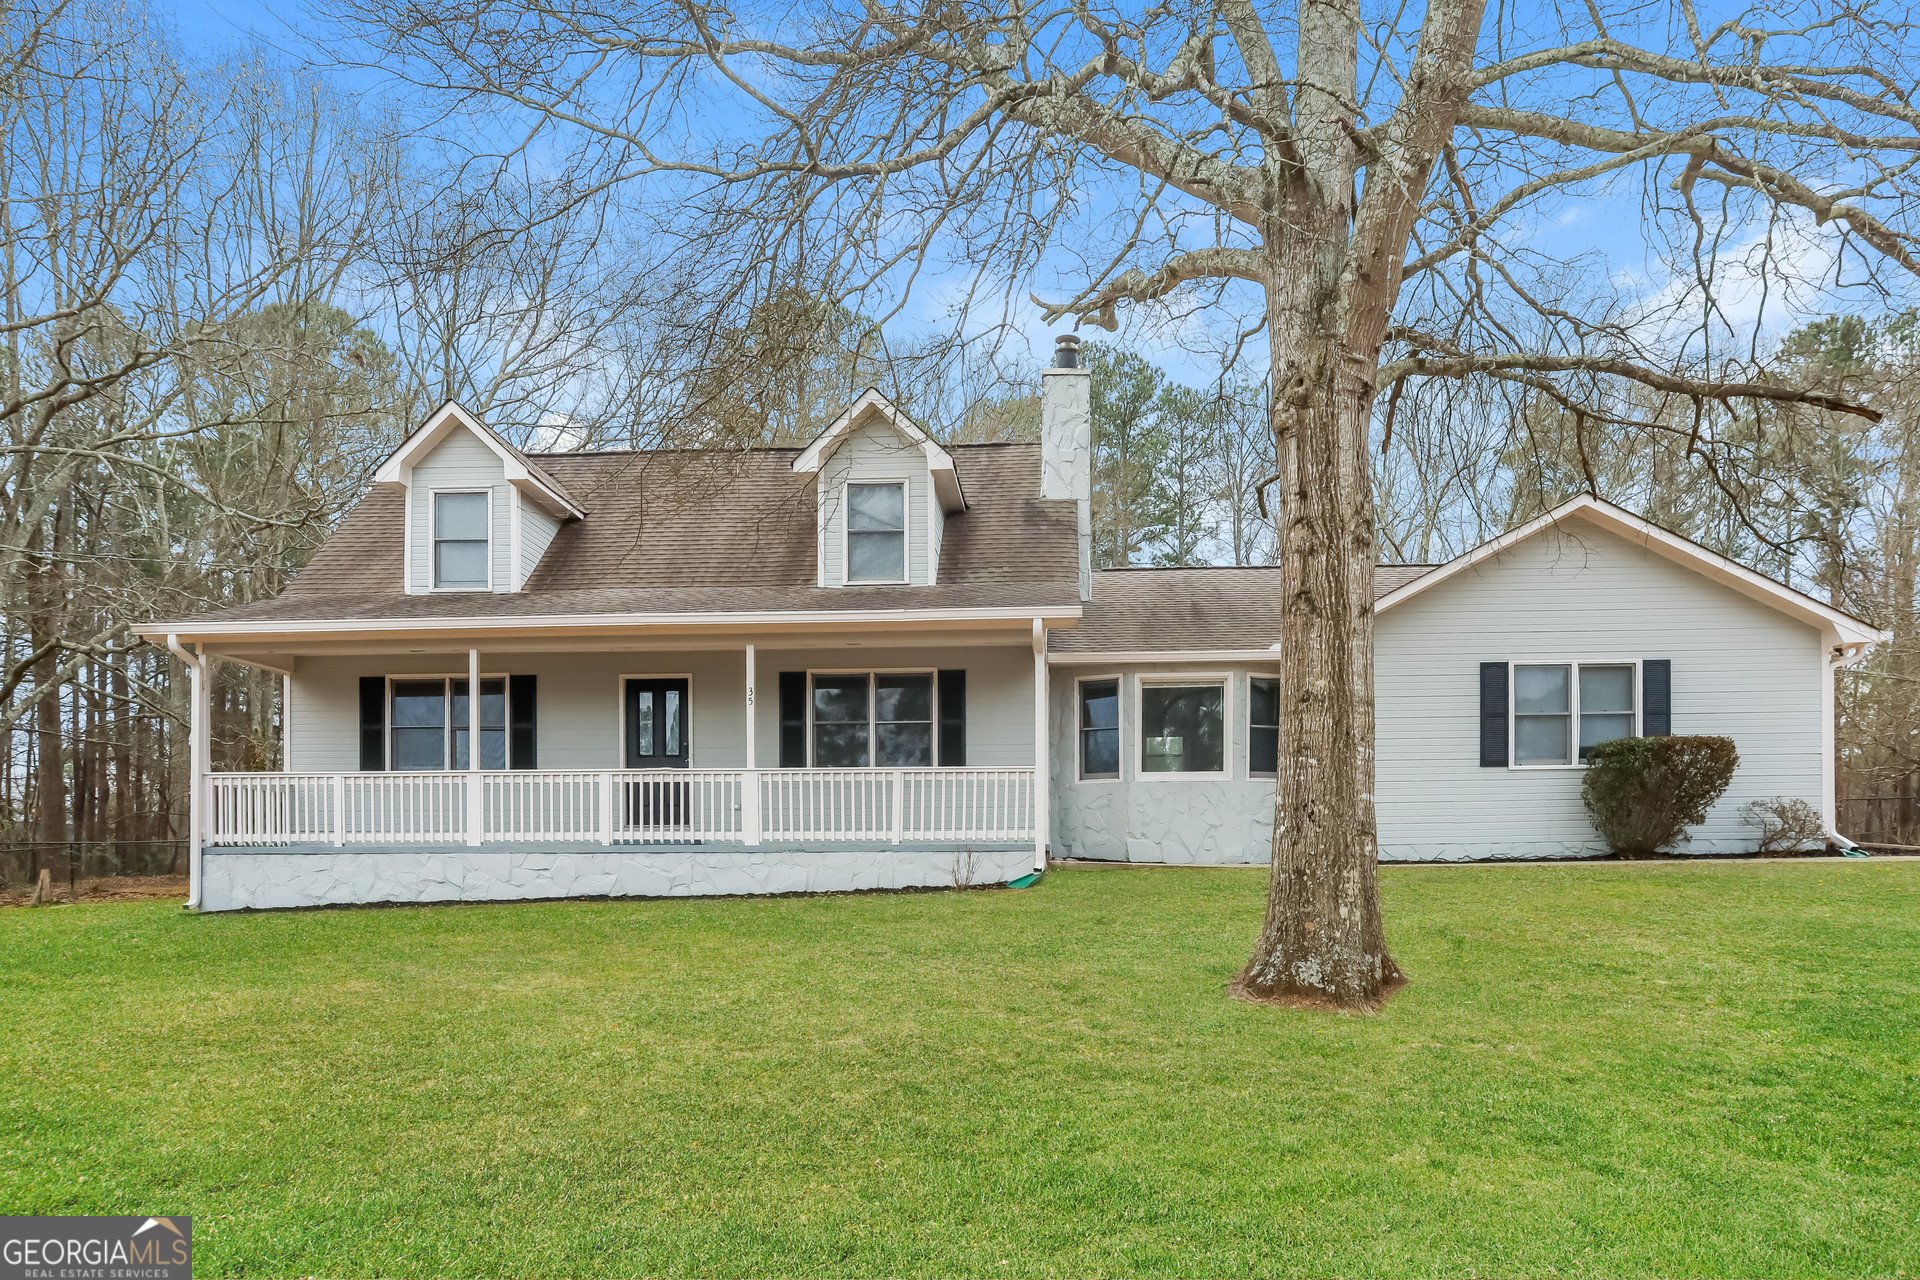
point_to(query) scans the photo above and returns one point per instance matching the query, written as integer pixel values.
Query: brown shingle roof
(693, 531)
(317, 606)
(1160, 610)
(366, 552)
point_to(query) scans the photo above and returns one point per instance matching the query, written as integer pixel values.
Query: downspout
(1838, 655)
(196, 784)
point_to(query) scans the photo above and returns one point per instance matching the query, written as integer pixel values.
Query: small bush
(1786, 826)
(1643, 793)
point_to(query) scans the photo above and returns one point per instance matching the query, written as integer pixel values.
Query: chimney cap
(1066, 351)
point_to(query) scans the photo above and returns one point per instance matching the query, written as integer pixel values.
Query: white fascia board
(1162, 655)
(790, 619)
(1684, 552)
(946, 481)
(398, 467)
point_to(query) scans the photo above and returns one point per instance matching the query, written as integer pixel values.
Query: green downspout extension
(1027, 881)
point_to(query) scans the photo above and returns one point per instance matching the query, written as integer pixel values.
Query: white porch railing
(661, 806)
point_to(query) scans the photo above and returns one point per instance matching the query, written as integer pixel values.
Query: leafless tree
(1375, 178)
(168, 242)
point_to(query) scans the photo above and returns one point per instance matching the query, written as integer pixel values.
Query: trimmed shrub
(1643, 793)
(1786, 826)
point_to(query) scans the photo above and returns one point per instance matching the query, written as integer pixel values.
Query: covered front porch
(716, 808)
(942, 732)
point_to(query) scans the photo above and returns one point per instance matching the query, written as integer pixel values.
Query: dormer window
(461, 560)
(877, 532)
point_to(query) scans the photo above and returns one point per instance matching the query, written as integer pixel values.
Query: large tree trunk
(1322, 942)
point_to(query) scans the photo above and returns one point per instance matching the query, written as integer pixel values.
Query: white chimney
(1066, 443)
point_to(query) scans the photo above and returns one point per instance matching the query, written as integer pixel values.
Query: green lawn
(1705, 1070)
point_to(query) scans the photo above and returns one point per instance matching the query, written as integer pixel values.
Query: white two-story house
(877, 662)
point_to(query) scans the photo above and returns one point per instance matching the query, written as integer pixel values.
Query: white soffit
(871, 404)
(443, 422)
(1684, 552)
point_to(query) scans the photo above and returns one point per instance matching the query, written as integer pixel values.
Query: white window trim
(1120, 714)
(620, 716)
(1275, 677)
(1181, 678)
(906, 530)
(933, 676)
(1573, 698)
(447, 725)
(433, 518)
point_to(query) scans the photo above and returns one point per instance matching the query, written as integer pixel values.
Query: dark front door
(657, 735)
(656, 739)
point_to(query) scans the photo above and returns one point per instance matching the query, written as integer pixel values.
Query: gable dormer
(479, 514)
(883, 491)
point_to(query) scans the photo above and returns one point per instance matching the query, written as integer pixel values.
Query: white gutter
(1070, 659)
(789, 619)
(196, 742)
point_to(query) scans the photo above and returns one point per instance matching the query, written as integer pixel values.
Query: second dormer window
(460, 541)
(877, 532)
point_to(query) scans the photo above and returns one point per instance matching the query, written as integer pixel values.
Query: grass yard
(1706, 1070)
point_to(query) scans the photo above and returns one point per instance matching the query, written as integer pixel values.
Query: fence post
(339, 810)
(750, 807)
(605, 822)
(899, 802)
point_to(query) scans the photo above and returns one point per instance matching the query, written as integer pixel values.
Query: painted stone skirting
(1189, 823)
(237, 879)
(1534, 850)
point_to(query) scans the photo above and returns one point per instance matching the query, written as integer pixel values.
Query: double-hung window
(460, 551)
(1263, 726)
(878, 719)
(1099, 728)
(1562, 711)
(430, 724)
(877, 532)
(1183, 727)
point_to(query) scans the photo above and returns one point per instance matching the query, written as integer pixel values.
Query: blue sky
(1605, 224)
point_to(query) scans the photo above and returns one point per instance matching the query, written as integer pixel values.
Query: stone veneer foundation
(238, 879)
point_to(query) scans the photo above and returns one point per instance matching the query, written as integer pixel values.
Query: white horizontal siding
(461, 461)
(537, 530)
(1739, 669)
(873, 452)
(579, 701)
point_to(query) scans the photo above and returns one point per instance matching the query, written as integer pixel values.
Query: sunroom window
(1183, 728)
(1263, 726)
(1099, 728)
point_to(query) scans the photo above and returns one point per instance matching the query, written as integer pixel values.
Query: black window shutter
(523, 699)
(953, 719)
(793, 719)
(1656, 697)
(1493, 715)
(373, 723)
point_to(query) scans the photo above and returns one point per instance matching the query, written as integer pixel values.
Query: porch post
(200, 756)
(1042, 761)
(199, 759)
(750, 780)
(476, 808)
(286, 723)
